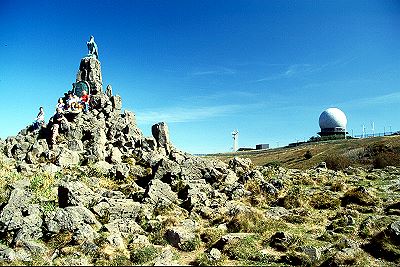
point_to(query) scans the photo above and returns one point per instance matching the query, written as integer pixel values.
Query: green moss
(204, 260)
(360, 196)
(324, 200)
(211, 235)
(191, 244)
(295, 198)
(251, 221)
(247, 248)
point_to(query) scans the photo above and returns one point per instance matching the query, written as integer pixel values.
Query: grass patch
(144, 254)
(251, 221)
(246, 249)
(211, 235)
(324, 200)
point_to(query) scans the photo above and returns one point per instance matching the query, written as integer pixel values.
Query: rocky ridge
(104, 194)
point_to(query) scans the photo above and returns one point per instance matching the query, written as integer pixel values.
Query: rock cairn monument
(90, 68)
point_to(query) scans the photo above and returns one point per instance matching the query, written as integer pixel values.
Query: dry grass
(294, 157)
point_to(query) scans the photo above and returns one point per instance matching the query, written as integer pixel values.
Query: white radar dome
(332, 118)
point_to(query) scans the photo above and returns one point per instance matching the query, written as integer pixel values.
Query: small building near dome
(333, 122)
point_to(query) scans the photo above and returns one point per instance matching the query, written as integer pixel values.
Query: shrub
(204, 260)
(274, 164)
(385, 159)
(211, 235)
(337, 162)
(144, 254)
(295, 198)
(191, 244)
(247, 248)
(248, 222)
(324, 200)
(308, 154)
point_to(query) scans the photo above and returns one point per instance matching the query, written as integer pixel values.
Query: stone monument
(90, 69)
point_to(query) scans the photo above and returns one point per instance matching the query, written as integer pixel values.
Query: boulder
(161, 133)
(183, 238)
(120, 171)
(240, 165)
(116, 155)
(124, 226)
(67, 158)
(117, 208)
(21, 217)
(160, 194)
(166, 258)
(7, 254)
(116, 101)
(75, 145)
(230, 238)
(76, 193)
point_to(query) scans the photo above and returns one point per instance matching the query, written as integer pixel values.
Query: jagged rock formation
(90, 71)
(108, 140)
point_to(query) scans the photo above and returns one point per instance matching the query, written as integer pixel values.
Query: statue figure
(92, 47)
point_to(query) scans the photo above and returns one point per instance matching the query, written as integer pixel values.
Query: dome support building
(333, 123)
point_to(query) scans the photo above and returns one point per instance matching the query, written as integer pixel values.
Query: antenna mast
(235, 135)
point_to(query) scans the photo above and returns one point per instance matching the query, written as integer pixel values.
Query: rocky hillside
(104, 194)
(374, 152)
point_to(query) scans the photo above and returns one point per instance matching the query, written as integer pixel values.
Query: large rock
(125, 227)
(116, 155)
(116, 102)
(117, 208)
(75, 145)
(67, 158)
(76, 193)
(75, 219)
(90, 71)
(37, 150)
(240, 165)
(21, 217)
(161, 134)
(160, 194)
(184, 236)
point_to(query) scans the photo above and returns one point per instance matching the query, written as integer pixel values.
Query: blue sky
(267, 68)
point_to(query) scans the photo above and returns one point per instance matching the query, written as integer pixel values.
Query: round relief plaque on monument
(81, 86)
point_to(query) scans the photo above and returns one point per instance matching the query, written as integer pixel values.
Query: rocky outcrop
(90, 71)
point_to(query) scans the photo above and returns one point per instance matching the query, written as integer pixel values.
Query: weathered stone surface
(109, 91)
(21, 216)
(120, 171)
(180, 237)
(75, 145)
(67, 158)
(7, 254)
(117, 208)
(125, 227)
(161, 134)
(76, 193)
(103, 166)
(50, 168)
(166, 258)
(90, 71)
(240, 165)
(116, 155)
(37, 150)
(116, 101)
(229, 238)
(159, 193)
